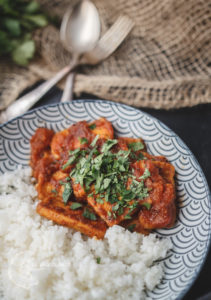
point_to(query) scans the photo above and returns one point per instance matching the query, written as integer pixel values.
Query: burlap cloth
(164, 63)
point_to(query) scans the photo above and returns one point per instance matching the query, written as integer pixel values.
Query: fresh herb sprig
(18, 19)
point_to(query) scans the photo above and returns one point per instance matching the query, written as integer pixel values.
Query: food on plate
(90, 180)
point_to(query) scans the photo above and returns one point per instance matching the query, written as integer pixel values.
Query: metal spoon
(69, 41)
(83, 33)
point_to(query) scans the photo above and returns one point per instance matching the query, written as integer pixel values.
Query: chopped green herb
(120, 211)
(70, 161)
(108, 145)
(145, 175)
(106, 182)
(89, 215)
(54, 191)
(115, 207)
(99, 200)
(73, 152)
(93, 143)
(83, 140)
(131, 227)
(98, 259)
(127, 217)
(147, 205)
(92, 126)
(136, 146)
(109, 213)
(67, 192)
(75, 205)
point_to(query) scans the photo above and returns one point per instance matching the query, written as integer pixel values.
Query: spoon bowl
(80, 29)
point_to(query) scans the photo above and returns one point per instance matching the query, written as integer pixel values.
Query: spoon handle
(68, 89)
(21, 105)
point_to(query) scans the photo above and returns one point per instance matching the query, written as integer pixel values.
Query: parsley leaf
(106, 182)
(75, 205)
(127, 217)
(67, 192)
(147, 205)
(98, 259)
(145, 175)
(131, 227)
(93, 143)
(89, 215)
(108, 145)
(136, 146)
(83, 140)
(92, 126)
(74, 155)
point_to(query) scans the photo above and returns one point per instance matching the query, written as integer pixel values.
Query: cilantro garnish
(83, 140)
(92, 126)
(93, 143)
(54, 191)
(89, 215)
(131, 227)
(73, 156)
(147, 205)
(127, 217)
(67, 192)
(98, 259)
(108, 145)
(145, 175)
(136, 146)
(75, 205)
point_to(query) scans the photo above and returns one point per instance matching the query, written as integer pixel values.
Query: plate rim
(110, 102)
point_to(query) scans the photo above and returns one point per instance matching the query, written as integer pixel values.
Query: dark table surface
(193, 126)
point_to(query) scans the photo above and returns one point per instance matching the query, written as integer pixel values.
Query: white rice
(41, 260)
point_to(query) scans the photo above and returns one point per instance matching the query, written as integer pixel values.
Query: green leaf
(115, 207)
(136, 146)
(145, 175)
(23, 53)
(75, 205)
(92, 126)
(69, 162)
(147, 205)
(38, 20)
(73, 152)
(127, 217)
(32, 7)
(89, 215)
(99, 200)
(98, 183)
(13, 26)
(98, 259)
(83, 140)
(93, 143)
(131, 227)
(108, 145)
(106, 182)
(67, 192)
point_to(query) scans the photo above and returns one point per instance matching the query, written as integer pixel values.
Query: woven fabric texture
(164, 63)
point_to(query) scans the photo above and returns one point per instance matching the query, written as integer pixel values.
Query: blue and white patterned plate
(191, 234)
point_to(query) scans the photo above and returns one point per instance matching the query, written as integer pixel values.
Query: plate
(191, 234)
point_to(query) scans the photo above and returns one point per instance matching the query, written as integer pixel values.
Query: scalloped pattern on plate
(191, 234)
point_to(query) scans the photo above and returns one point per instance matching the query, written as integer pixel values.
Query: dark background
(193, 126)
